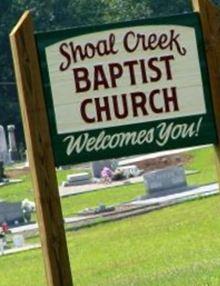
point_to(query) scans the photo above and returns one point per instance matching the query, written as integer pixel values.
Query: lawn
(19, 191)
(110, 196)
(176, 246)
(203, 160)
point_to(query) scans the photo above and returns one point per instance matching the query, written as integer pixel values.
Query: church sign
(126, 88)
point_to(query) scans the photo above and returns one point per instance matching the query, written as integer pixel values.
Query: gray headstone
(13, 152)
(97, 167)
(10, 212)
(78, 179)
(3, 146)
(165, 181)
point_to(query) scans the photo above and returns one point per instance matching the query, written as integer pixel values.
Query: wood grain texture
(210, 19)
(40, 153)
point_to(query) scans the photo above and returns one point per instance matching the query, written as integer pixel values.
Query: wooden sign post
(210, 19)
(40, 154)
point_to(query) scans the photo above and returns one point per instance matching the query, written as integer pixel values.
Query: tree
(47, 15)
(170, 7)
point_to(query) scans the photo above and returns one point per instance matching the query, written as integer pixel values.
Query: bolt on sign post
(114, 90)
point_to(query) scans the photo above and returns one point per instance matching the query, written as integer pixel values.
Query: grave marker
(165, 181)
(77, 179)
(3, 146)
(11, 212)
(13, 152)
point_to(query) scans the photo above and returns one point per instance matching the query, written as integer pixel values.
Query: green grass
(203, 160)
(20, 191)
(176, 246)
(110, 196)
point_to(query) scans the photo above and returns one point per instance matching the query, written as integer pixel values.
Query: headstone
(2, 246)
(27, 160)
(97, 167)
(13, 152)
(130, 171)
(18, 240)
(77, 179)
(165, 181)
(3, 146)
(11, 212)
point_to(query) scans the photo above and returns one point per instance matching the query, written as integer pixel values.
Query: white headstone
(13, 154)
(2, 245)
(77, 179)
(3, 146)
(27, 160)
(18, 240)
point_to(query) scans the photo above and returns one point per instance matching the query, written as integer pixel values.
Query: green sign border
(208, 130)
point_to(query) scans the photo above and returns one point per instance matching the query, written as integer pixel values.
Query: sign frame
(207, 133)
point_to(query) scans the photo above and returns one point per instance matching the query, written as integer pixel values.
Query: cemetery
(166, 225)
(102, 202)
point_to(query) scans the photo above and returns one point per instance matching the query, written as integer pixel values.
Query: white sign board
(125, 76)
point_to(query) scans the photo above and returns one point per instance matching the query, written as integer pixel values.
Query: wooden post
(210, 19)
(40, 154)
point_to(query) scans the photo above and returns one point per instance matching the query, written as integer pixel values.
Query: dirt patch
(17, 172)
(164, 161)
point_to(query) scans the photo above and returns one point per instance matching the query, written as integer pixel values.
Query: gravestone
(11, 212)
(26, 160)
(3, 146)
(130, 171)
(2, 246)
(97, 167)
(18, 240)
(13, 152)
(77, 179)
(165, 181)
